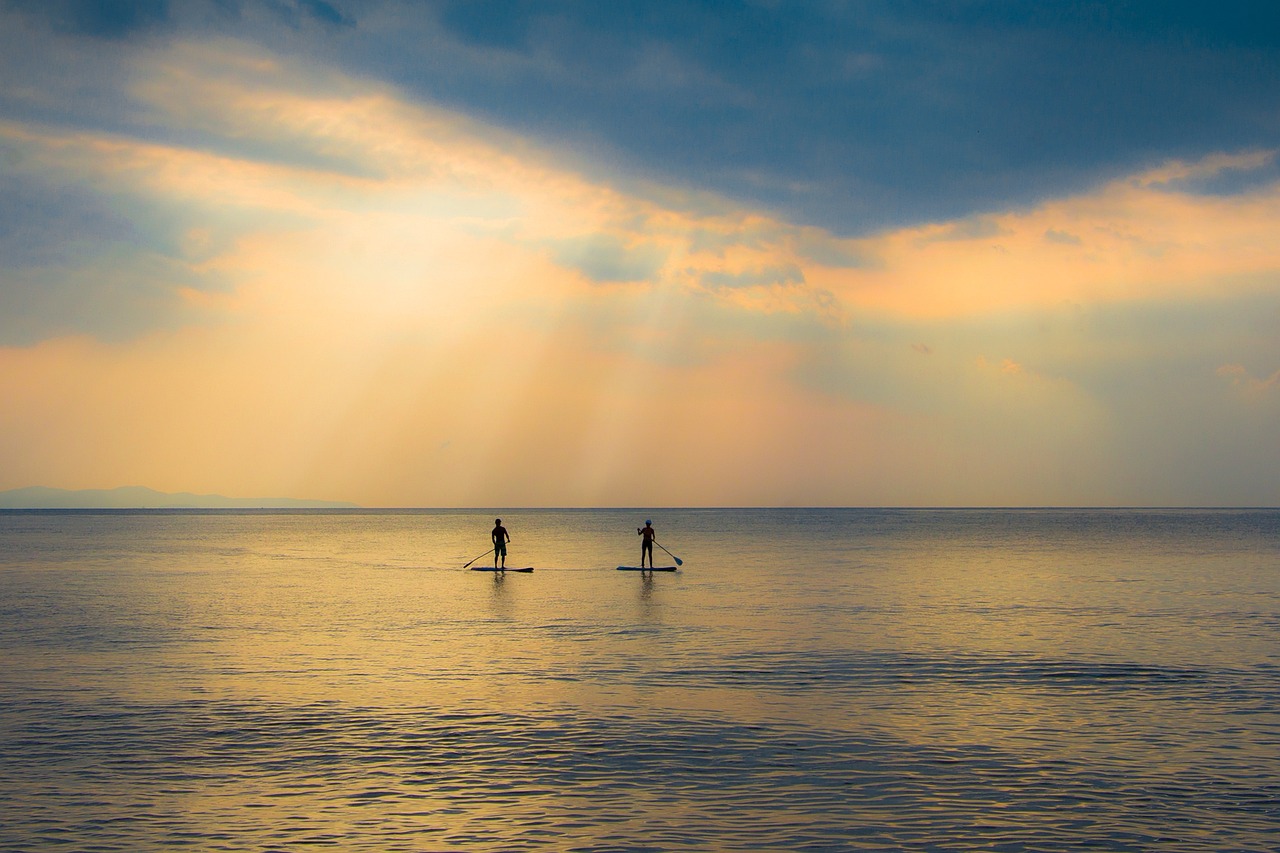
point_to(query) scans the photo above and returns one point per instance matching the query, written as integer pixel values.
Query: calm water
(810, 680)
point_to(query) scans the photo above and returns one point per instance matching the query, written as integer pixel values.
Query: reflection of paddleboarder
(500, 540)
(646, 544)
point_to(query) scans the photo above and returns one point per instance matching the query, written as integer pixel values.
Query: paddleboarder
(646, 543)
(500, 540)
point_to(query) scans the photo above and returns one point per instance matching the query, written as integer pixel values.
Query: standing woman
(500, 540)
(646, 544)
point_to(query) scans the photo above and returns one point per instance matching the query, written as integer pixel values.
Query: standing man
(646, 544)
(500, 540)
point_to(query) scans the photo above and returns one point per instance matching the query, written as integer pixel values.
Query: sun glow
(351, 296)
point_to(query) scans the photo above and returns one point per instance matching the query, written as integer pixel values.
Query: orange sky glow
(423, 310)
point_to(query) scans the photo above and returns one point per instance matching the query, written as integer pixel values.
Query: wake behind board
(499, 569)
(646, 569)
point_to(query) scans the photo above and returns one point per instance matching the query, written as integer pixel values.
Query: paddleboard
(499, 569)
(646, 569)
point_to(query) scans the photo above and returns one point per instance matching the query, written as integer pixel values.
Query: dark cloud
(122, 19)
(42, 223)
(294, 13)
(503, 24)
(111, 19)
(851, 116)
(78, 259)
(326, 13)
(865, 115)
(1236, 180)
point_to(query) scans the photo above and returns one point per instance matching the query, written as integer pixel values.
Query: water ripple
(273, 775)
(796, 671)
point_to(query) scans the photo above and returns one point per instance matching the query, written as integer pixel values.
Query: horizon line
(354, 509)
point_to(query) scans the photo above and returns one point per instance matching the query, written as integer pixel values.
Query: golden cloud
(422, 309)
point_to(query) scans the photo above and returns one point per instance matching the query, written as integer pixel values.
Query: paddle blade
(679, 562)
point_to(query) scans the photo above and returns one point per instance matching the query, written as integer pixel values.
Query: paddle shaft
(485, 554)
(679, 562)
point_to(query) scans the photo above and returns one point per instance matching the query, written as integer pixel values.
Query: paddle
(679, 562)
(485, 554)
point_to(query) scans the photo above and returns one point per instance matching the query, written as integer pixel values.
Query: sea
(809, 680)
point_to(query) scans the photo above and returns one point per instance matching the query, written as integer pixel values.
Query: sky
(644, 254)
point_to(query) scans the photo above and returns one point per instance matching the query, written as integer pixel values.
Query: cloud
(87, 248)
(42, 220)
(910, 114)
(1241, 378)
(111, 19)
(285, 144)
(282, 146)
(1006, 366)
(973, 228)
(1062, 237)
(326, 12)
(119, 20)
(254, 151)
(117, 297)
(372, 278)
(787, 274)
(1213, 174)
(1138, 240)
(607, 258)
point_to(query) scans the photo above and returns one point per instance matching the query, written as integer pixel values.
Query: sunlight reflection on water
(811, 679)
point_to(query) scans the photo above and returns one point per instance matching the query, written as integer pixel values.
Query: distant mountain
(140, 497)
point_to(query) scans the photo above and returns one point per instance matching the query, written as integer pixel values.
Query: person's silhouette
(646, 544)
(500, 540)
